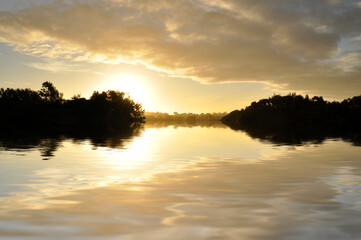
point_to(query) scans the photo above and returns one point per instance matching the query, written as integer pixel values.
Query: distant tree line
(48, 110)
(295, 116)
(183, 117)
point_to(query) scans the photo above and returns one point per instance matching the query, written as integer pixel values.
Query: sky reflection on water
(182, 183)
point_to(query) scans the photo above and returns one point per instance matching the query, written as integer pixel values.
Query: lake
(167, 182)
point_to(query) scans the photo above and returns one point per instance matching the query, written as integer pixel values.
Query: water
(179, 183)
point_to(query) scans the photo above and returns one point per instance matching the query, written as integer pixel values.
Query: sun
(132, 84)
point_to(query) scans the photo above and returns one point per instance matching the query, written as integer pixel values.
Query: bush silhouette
(47, 110)
(296, 118)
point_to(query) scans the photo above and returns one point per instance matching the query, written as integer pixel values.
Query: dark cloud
(294, 44)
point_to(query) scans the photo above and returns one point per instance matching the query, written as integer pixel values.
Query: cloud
(296, 44)
(58, 66)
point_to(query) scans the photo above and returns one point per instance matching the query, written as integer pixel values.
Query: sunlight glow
(132, 157)
(133, 84)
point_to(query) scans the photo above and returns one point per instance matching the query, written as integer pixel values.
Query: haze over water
(179, 183)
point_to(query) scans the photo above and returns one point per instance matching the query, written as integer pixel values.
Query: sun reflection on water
(182, 184)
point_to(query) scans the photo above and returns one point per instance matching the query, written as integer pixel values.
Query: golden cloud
(297, 44)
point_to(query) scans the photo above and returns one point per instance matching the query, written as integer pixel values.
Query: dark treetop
(47, 111)
(294, 119)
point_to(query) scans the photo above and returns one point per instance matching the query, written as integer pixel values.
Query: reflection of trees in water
(116, 139)
(295, 136)
(49, 144)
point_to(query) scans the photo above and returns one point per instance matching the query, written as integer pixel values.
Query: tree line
(46, 110)
(296, 117)
(183, 117)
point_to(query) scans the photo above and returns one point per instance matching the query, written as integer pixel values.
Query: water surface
(179, 183)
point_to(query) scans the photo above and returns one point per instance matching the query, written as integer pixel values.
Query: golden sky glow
(133, 84)
(264, 46)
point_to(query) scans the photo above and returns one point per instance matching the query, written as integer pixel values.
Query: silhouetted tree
(296, 116)
(47, 110)
(49, 93)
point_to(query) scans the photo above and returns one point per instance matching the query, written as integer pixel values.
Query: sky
(184, 55)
